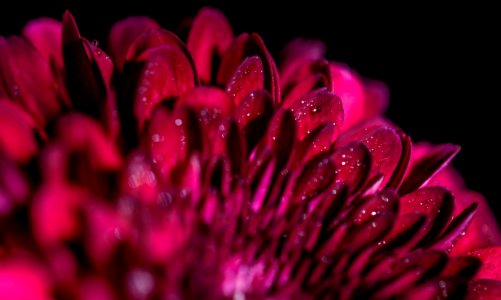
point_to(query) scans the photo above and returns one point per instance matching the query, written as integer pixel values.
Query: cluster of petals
(199, 168)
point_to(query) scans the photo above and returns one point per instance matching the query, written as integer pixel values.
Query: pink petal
(303, 87)
(210, 35)
(139, 179)
(81, 133)
(45, 35)
(319, 141)
(491, 260)
(422, 170)
(153, 39)
(23, 280)
(210, 102)
(247, 78)
(315, 109)
(347, 85)
(122, 35)
(383, 202)
(17, 139)
(167, 74)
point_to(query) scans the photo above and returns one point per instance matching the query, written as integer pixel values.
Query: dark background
(441, 63)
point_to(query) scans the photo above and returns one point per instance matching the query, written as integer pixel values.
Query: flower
(171, 170)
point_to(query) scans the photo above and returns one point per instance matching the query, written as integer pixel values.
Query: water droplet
(178, 122)
(95, 43)
(140, 283)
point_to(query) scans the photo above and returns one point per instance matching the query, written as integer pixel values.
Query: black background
(441, 63)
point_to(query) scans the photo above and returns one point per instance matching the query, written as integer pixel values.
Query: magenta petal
(34, 88)
(435, 202)
(383, 202)
(484, 289)
(81, 133)
(45, 35)
(247, 78)
(253, 115)
(297, 54)
(152, 39)
(491, 260)
(23, 280)
(246, 46)
(347, 85)
(352, 163)
(465, 266)
(139, 179)
(17, 139)
(316, 176)
(122, 35)
(426, 167)
(315, 109)
(171, 137)
(166, 74)
(369, 232)
(210, 35)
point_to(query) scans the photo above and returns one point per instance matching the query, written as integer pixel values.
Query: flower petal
(246, 46)
(17, 138)
(247, 78)
(23, 280)
(435, 202)
(422, 170)
(45, 35)
(347, 85)
(166, 74)
(171, 137)
(486, 289)
(122, 35)
(491, 260)
(315, 109)
(253, 116)
(210, 34)
(352, 164)
(296, 55)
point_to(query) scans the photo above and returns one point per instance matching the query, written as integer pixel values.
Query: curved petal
(247, 78)
(210, 34)
(122, 35)
(491, 261)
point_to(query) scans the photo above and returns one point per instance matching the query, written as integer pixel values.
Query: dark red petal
(172, 136)
(315, 177)
(297, 54)
(383, 202)
(152, 39)
(27, 79)
(281, 135)
(302, 88)
(368, 233)
(484, 289)
(246, 46)
(465, 266)
(253, 115)
(347, 85)
(87, 86)
(384, 144)
(166, 75)
(352, 163)
(122, 35)
(456, 229)
(247, 78)
(210, 34)
(435, 202)
(426, 167)
(46, 35)
(17, 138)
(81, 133)
(491, 262)
(315, 109)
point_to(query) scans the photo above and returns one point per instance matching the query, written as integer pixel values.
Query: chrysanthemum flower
(165, 169)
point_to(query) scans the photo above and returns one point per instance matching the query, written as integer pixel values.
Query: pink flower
(172, 170)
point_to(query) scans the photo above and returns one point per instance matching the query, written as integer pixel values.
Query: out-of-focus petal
(210, 36)
(46, 35)
(122, 35)
(23, 280)
(491, 259)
